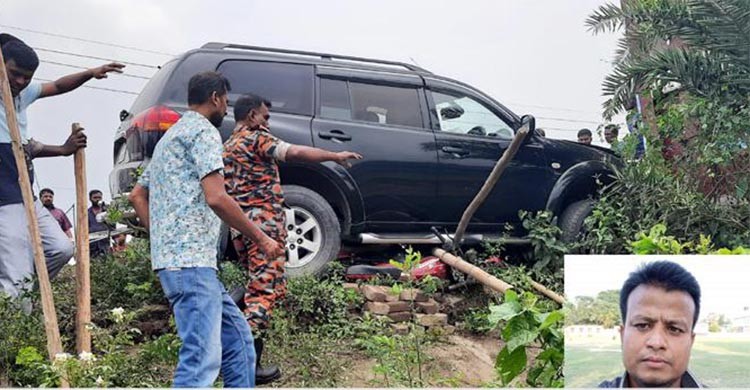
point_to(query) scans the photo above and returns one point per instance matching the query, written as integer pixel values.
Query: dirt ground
(458, 360)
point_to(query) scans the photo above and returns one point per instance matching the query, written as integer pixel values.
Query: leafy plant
(526, 327)
(478, 321)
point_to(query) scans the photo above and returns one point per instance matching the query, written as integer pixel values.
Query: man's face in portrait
(657, 336)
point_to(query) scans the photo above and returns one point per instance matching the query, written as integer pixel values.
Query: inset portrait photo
(657, 321)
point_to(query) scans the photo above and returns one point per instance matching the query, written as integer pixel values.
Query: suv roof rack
(324, 56)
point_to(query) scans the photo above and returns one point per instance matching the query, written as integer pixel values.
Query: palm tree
(711, 59)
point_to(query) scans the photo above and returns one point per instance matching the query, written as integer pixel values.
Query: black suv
(428, 143)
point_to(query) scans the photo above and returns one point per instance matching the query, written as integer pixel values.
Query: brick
(429, 320)
(400, 316)
(413, 294)
(374, 293)
(400, 328)
(429, 307)
(389, 295)
(377, 308)
(398, 306)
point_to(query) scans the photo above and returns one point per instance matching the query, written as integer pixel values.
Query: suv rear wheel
(313, 231)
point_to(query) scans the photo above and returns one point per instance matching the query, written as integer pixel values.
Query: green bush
(313, 303)
(648, 193)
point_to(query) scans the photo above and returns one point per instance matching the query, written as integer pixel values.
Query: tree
(603, 310)
(712, 58)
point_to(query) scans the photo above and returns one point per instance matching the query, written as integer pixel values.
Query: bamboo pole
(547, 292)
(486, 279)
(83, 278)
(470, 269)
(52, 330)
(489, 184)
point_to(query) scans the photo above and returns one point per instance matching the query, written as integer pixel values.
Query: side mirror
(529, 121)
(124, 114)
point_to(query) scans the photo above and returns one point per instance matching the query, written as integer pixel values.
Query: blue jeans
(214, 334)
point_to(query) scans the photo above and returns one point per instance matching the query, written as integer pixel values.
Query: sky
(534, 56)
(722, 278)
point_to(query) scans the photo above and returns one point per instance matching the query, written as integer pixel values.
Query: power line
(99, 88)
(95, 57)
(84, 67)
(555, 108)
(566, 120)
(87, 40)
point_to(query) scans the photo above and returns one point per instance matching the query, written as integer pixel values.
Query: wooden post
(54, 346)
(470, 269)
(489, 184)
(486, 279)
(83, 278)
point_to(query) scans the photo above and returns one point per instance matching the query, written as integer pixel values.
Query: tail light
(147, 128)
(159, 118)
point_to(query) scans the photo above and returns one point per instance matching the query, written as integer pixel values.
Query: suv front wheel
(571, 220)
(313, 231)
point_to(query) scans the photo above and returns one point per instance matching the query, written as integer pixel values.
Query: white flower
(62, 356)
(118, 313)
(99, 381)
(86, 356)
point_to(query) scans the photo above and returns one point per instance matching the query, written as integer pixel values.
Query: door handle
(337, 135)
(456, 152)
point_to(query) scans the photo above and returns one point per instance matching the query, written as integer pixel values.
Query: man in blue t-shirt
(16, 252)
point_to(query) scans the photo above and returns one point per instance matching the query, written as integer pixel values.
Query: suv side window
(460, 114)
(384, 104)
(289, 87)
(335, 102)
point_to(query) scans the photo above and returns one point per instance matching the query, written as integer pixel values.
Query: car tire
(571, 220)
(315, 235)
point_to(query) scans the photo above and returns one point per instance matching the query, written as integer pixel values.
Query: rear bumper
(123, 177)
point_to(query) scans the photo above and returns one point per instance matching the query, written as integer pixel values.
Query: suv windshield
(461, 114)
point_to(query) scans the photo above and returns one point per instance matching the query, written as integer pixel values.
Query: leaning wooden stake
(486, 279)
(549, 293)
(471, 270)
(83, 286)
(54, 346)
(489, 184)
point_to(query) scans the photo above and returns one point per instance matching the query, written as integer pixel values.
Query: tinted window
(288, 86)
(385, 104)
(334, 100)
(150, 94)
(460, 114)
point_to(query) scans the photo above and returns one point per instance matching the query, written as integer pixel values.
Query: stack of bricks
(382, 301)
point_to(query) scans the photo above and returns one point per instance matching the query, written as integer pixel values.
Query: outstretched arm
(308, 154)
(75, 80)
